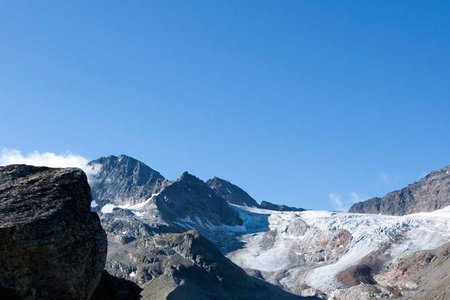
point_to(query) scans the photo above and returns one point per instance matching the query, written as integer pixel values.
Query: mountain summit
(230, 192)
(124, 180)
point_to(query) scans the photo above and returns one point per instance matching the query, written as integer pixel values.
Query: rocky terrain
(428, 194)
(51, 245)
(187, 266)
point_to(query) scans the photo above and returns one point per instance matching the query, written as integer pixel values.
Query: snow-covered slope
(309, 249)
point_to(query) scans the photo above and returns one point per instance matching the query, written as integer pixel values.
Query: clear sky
(299, 102)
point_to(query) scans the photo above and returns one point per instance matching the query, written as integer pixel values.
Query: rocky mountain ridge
(325, 255)
(278, 207)
(430, 193)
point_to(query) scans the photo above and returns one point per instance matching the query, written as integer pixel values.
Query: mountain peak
(124, 180)
(230, 192)
(187, 177)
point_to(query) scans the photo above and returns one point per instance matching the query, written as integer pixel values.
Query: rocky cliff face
(51, 245)
(124, 180)
(231, 193)
(428, 194)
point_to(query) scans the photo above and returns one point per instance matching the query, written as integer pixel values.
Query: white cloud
(390, 178)
(336, 201)
(48, 159)
(355, 197)
(340, 203)
(385, 177)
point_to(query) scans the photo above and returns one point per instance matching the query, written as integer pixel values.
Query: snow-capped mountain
(323, 254)
(126, 183)
(146, 218)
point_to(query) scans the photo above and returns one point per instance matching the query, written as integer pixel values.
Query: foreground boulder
(51, 245)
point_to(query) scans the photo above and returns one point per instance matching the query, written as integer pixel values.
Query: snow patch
(108, 208)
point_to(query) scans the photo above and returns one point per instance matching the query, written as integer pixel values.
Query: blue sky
(299, 102)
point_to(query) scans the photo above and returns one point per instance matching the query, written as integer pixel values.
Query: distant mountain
(230, 192)
(124, 180)
(428, 194)
(126, 183)
(136, 202)
(278, 207)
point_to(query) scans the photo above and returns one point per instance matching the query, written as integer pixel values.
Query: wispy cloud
(341, 203)
(336, 201)
(48, 159)
(389, 178)
(385, 177)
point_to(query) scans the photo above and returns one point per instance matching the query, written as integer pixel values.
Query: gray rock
(428, 194)
(51, 245)
(230, 192)
(420, 275)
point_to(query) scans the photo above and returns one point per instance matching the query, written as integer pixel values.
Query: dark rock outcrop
(428, 194)
(51, 245)
(124, 180)
(231, 193)
(115, 288)
(278, 207)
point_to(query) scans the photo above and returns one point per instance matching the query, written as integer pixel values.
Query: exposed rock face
(188, 266)
(51, 245)
(278, 207)
(421, 275)
(231, 193)
(428, 194)
(124, 180)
